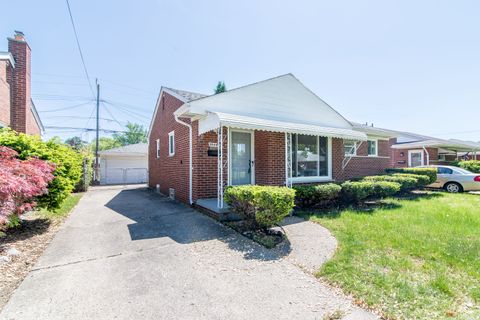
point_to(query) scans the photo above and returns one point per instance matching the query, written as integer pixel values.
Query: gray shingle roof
(187, 94)
(140, 148)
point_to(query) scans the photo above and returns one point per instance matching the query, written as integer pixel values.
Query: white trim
(311, 179)
(252, 154)
(415, 151)
(7, 56)
(354, 148)
(171, 143)
(376, 147)
(158, 148)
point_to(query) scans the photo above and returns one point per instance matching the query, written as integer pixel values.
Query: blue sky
(407, 65)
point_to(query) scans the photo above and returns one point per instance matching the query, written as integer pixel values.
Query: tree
(104, 143)
(75, 142)
(21, 182)
(220, 87)
(135, 133)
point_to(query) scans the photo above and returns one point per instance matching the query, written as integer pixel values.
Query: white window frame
(354, 149)
(376, 148)
(158, 148)
(171, 143)
(328, 177)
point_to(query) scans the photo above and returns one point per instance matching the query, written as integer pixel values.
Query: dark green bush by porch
(406, 183)
(310, 195)
(422, 180)
(357, 191)
(470, 165)
(260, 206)
(430, 172)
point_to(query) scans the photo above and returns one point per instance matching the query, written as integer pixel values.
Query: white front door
(241, 155)
(415, 158)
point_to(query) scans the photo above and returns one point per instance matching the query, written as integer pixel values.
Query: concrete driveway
(132, 254)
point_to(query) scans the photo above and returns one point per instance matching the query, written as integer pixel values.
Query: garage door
(126, 175)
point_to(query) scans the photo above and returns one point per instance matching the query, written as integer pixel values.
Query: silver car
(454, 179)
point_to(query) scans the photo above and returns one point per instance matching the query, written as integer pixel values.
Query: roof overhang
(444, 144)
(7, 56)
(214, 120)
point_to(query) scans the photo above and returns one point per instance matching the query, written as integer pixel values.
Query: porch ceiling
(214, 120)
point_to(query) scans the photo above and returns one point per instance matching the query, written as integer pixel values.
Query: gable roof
(283, 98)
(36, 116)
(187, 95)
(138, 149)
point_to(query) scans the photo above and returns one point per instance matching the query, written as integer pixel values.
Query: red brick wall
(269, 158)
(169, 171)
(4, 94)
(399, 157)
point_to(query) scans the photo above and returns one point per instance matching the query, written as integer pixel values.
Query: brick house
(273, 132)
(17, 109)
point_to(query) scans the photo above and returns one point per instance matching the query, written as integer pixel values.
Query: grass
(64, 209)
(409, 258)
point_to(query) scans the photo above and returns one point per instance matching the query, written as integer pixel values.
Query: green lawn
(64, 209)
(411, 259)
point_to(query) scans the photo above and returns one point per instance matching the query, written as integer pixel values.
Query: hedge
(422, 180)
(470, 165)
(430, 172)
(260, 206)
(68, 163)
(406, 183)
(354, 192)
(310, 195)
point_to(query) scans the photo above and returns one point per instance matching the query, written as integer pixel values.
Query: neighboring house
(272, 132)
(413, 150)
(124, 165)
(17, 109)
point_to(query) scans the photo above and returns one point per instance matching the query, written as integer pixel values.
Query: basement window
(171, 143)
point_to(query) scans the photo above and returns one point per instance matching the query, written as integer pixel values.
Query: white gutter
(428, 155)
(190, 164)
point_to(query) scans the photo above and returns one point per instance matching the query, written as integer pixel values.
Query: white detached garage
(124, 165)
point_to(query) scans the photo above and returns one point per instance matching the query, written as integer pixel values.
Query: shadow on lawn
(155, 216)
(370, 206)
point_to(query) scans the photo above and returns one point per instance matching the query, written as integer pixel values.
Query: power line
(84, 129)
(80, 48)
(66, 108)
(108, 111)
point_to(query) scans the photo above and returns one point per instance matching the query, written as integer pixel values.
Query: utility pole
(97, 164)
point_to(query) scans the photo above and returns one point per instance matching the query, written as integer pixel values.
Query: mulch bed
(30, 238)
(268, 238)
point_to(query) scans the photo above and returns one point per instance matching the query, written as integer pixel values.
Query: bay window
(310, 157)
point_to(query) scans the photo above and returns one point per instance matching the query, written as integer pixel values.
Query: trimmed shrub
(68, 163)
(422, 180)
(430, 172)
(470, 165)
(406, 183)
(260, 206)
(309, 195)
(355, 192)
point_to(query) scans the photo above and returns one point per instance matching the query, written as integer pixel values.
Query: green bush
(470, 165)
(406, 183)
(422, 180)
(309, 195)
(355, 192)
(260, 206)
(68, 163)
(430, 172)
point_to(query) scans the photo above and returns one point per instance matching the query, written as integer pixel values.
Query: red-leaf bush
(20, 182)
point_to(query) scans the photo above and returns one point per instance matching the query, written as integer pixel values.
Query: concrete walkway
(132, 254)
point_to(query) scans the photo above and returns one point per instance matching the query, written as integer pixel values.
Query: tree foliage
(68, 163)
(20, 182)
(76, 143)
(135, 133)
(220, 87)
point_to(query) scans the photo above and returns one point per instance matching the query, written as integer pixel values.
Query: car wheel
(453, 187)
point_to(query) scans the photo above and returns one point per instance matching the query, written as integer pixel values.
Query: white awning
(438, 143)
(214, 120)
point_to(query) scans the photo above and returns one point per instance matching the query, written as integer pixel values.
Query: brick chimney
(20, 82)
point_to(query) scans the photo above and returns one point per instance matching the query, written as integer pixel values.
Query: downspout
(428, 155)
(190, 164)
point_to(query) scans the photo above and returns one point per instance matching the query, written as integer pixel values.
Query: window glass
(349, 147)
(309, 156)
(171, 143)
(443, 170)
(372, 147)
(158, 148)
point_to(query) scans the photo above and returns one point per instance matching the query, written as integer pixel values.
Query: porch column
(222, 163)
(288, 159)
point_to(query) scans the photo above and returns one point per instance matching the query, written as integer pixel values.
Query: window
(443, 170)
(372, 148)
(171, 143)
(309, 156)
(158, 148)
(441, 157)
(350, 147)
